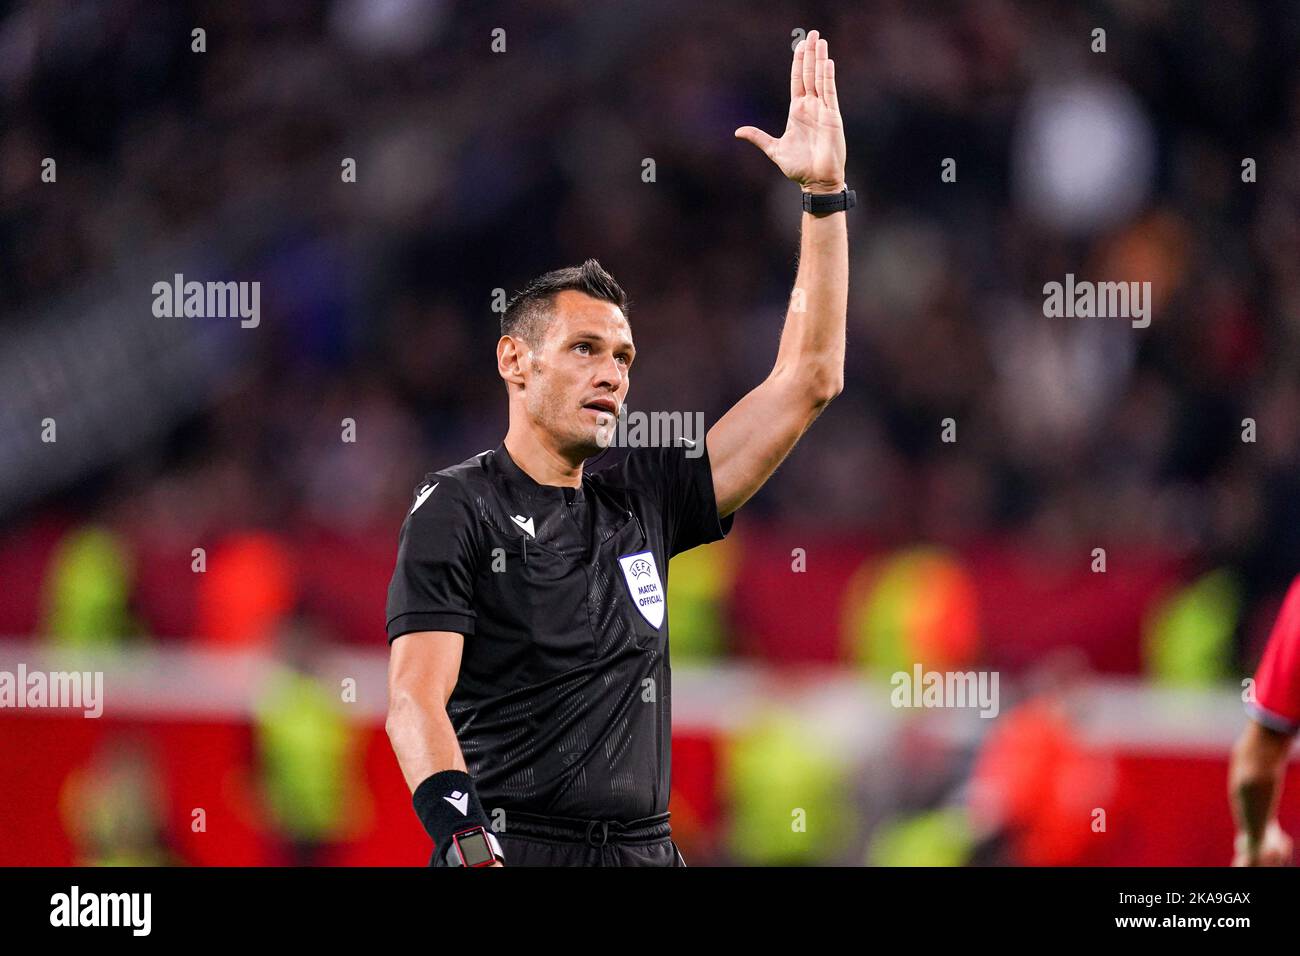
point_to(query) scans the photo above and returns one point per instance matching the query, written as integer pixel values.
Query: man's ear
(511, 356)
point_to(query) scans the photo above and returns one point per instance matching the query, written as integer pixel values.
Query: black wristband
(820, 204)
(446, 803)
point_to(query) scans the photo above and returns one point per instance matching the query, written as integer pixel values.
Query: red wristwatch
(476, 846)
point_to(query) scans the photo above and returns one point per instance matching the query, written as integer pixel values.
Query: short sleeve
(432, 588)
(1277, 681)
(680, 478)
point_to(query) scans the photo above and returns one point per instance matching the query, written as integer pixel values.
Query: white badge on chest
(643, 584)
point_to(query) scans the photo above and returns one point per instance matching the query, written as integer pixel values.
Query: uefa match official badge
(643, 584)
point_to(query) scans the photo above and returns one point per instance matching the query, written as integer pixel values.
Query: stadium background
(476, 170)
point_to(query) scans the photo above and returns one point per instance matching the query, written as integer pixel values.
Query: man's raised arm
(751, 439)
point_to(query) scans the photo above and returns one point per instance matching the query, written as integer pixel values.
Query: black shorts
(531, 840)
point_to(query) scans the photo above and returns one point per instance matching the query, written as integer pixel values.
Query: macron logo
(460, 801)
(526, 524)
(423, 495)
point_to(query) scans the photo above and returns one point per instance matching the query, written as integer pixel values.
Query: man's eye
(583, 345)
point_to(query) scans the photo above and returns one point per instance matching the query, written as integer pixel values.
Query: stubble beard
(573, 437)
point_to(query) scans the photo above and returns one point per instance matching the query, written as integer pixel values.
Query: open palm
(811, 151)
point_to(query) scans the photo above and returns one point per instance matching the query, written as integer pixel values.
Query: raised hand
(811, 151)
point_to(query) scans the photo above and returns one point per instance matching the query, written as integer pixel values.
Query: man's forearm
(748, 443)
(1254, 785)
(423, 740)
(813, 339)
(1254, 801)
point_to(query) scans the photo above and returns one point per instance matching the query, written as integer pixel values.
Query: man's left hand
(811, 151)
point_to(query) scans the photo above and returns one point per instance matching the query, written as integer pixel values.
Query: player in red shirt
(1260, 755)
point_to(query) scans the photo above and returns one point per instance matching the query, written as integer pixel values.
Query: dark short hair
(528, 313)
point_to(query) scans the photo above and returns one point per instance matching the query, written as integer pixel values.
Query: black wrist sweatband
(438, 801)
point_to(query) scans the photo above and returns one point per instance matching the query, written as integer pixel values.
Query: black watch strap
(821, 203)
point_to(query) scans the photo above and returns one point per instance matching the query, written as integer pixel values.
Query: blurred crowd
(479, 169)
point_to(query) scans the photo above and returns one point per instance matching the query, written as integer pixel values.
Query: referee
(529, 678)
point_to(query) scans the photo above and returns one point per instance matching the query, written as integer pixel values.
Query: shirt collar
(523, 482)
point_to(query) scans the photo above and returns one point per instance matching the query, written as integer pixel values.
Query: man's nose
(609, 375)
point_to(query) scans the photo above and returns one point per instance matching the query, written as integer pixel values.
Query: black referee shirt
(563, 703)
